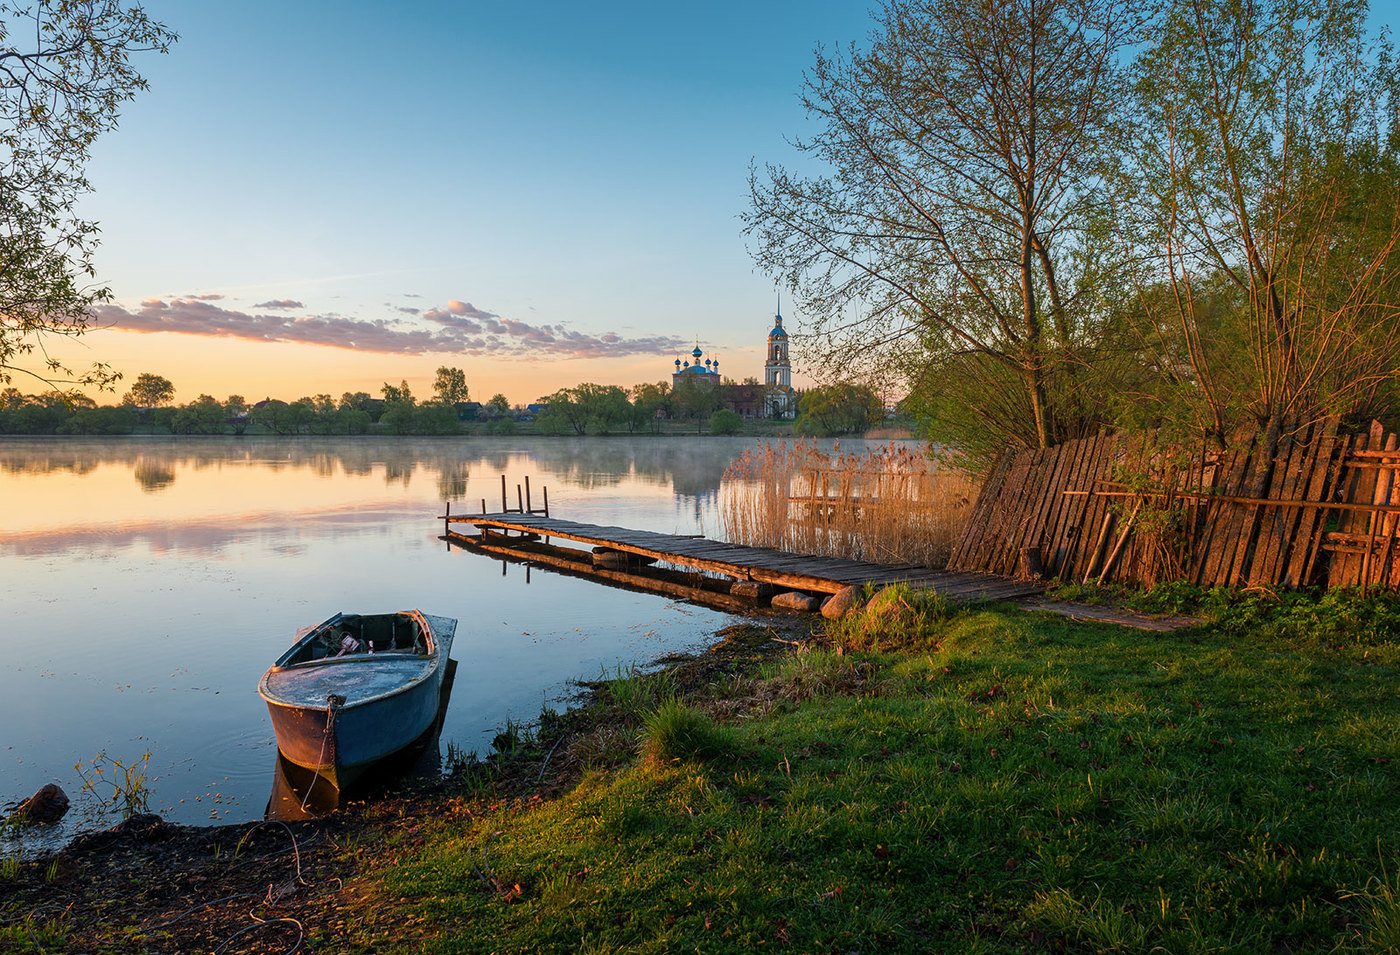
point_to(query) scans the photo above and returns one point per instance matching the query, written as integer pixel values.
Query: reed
(888, 504)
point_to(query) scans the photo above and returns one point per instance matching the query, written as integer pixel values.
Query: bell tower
(777, 370)
(778, 398)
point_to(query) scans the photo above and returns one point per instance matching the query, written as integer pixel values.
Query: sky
(319, 197)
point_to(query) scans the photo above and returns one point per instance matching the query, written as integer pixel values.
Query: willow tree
(1260, 192)
(65, 71)
(959, 153)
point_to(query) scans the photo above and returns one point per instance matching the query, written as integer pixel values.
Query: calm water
(148, 583)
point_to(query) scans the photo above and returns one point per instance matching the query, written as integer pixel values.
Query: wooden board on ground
(1115, 615)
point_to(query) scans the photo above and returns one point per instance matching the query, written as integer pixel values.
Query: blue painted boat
(356, 689)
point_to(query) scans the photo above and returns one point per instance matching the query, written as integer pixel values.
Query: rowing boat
(356, 689)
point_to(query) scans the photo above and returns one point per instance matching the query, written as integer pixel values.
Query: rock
(47, 805)
(841, 603)
(797, 600)
(610, 559)
(143, 826)
(751, 588)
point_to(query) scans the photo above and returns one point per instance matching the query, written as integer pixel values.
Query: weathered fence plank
(1318, 505)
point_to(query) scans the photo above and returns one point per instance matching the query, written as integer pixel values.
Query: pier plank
(765, 565)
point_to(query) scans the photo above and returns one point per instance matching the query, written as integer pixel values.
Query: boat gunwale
(433, 658)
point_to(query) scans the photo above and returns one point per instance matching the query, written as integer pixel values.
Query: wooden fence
(1315, 508)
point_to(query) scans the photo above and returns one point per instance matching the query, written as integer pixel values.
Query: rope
(333, 704)
(259, 923)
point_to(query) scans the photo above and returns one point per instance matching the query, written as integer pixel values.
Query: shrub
(725, 421)
(676, 732)
(895, 618)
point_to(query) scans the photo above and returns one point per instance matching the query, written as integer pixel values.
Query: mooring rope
(334, 702)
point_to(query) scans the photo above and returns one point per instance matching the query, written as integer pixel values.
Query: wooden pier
(753, 571)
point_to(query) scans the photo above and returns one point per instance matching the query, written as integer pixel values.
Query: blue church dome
(778, 331)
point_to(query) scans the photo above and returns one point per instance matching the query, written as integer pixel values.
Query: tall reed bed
(890, 504)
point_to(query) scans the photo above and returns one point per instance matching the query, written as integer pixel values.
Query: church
(775, 398)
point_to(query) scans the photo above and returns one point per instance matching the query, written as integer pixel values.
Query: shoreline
(136, 871)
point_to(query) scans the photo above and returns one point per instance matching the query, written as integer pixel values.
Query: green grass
(992, 781)
(674, 733)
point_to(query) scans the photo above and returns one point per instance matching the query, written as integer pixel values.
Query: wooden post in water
(527, 494)
(504, 506)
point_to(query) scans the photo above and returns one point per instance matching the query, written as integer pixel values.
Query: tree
(964, 144)
(65, 71)
(150, 391)
(840, 408)
(1261, 191)
(450, 386)
(584, 407)
(724, 421)
(649, 403)
(497, 406)
(397, 394)
(283, 418)
(355, 400)
(204, 415)
(696, 400)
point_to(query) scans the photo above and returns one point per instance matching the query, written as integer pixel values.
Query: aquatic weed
(130, 782)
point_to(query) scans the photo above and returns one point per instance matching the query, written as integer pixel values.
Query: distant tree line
(588, 408)
(149, 405)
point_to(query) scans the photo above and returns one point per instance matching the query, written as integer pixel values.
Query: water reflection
(153, 474)
(299, 793)
(149, 582)
(452, 481)
(690, 465)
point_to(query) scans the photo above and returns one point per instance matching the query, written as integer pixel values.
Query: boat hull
(371, 707)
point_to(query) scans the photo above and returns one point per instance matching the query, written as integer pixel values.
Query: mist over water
(147, 583)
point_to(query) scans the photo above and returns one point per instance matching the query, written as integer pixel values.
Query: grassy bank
(986, 780)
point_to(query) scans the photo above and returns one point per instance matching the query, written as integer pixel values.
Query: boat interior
(356, 634)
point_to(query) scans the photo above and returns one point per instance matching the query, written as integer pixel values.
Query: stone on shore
(797, 600)
(841, 603)
(45, 806)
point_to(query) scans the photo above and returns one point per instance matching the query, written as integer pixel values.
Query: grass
(986, 780)
(890, 504)
(935, 778)
(674, 732)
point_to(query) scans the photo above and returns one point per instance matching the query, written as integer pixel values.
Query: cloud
(280, 303)
(456, 327)
(210, 297)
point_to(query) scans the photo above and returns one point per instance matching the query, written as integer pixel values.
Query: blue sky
(563, 180)
(551, 188)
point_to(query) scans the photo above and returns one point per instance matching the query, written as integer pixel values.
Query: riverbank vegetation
(1049, 218)
(920, 777)
(148, 407)
(889, 504)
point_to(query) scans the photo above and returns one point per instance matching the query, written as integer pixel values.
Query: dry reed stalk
(888, 504)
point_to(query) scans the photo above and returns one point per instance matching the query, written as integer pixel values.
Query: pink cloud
(456, 327)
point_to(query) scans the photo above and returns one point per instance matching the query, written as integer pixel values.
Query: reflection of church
(775, 398)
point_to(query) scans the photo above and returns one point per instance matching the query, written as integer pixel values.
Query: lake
(147, 583)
